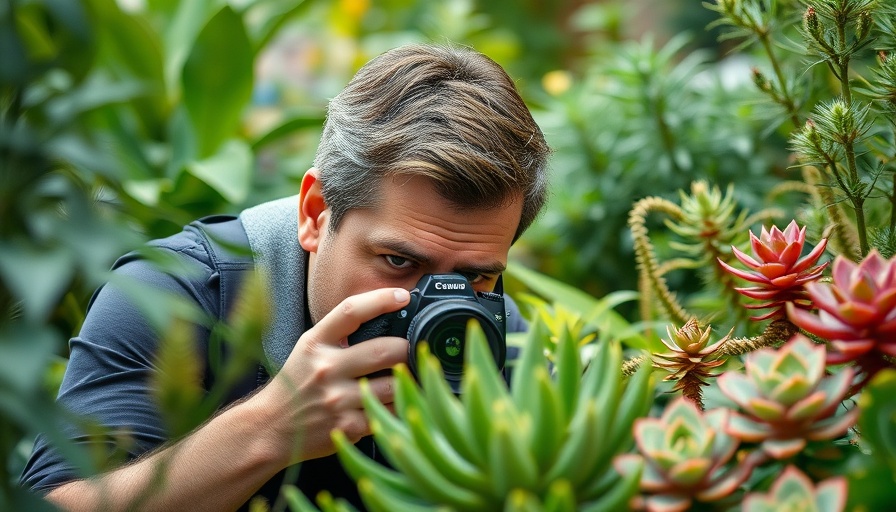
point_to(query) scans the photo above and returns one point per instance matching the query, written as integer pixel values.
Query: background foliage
(122, 121)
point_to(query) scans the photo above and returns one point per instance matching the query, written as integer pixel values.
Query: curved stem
(645, 255)
(775, 333)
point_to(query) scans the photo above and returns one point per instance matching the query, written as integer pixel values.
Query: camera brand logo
(450, 286)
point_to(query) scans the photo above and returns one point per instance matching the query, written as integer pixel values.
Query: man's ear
(313, 212)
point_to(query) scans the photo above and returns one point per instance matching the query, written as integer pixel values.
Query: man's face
(414, 232)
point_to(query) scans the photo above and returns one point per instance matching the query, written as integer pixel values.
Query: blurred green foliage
(122, 121)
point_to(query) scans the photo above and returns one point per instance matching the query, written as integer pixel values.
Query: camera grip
(374, 328)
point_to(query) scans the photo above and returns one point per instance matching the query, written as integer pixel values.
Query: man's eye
(473, 278)
(398, 261)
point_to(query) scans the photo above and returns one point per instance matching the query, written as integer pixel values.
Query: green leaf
(288, 127)
(593, 310)
(229, 171)
(272, 15)
(130, 43)
(552, 289)
(36, 277)
(217, 79)
(177, 383)
(187, 19)
(97, 91)
(877, 420)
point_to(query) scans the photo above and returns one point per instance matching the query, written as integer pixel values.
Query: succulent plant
(547, 442)
(778, 270)
(786, 398)
(857, 312)
(685, 456)
(794, 491)
(707, 218)
(691, 359)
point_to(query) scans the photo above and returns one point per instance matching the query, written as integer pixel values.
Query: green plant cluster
(122, 121)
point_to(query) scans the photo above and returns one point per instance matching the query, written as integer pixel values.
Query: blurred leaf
(288, 127)
(38, 42)
(37, 276)
(877, 421)
(17, 43)
(552, 289)
(229, 171)
(24, 402)
(217, 80)
(132, 48)
(274, 14)
(95, 92)
(177, 383)
(26, 352)
(70, 26)
(596, 312)
(180, 33)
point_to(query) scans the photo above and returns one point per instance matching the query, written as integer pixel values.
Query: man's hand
(317, 390)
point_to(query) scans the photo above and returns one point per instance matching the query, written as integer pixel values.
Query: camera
(437, 314)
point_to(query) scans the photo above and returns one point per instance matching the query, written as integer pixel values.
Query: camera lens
(443, 326)
(446, 342)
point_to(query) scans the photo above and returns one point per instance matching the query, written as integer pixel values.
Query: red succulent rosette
(777, 269)
(857, 312)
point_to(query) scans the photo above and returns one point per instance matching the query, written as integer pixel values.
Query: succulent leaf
(793, 490)
(857, 311)
(786, 399)
(691, 460)
(777, 269)
(492, 448)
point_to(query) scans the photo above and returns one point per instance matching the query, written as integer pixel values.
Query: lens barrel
(443, 326)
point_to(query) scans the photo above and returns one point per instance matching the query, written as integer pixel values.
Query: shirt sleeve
(515, 320)
(107, 378)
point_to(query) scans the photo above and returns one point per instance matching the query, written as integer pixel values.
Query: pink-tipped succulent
(691, 359)
(793, 490)
(856, 313)
(685, 455)
(778, 270)
(786, 398)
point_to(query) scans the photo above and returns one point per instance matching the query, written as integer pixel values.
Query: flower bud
(812, 133)
(863, 25)
(760, 80)
(811, 24)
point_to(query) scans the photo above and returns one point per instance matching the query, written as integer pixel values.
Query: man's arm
(221, 464)
(217, 467)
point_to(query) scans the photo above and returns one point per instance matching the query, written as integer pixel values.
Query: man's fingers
(355, 310)
(373, 355)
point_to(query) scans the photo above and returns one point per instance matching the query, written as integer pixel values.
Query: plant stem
(893, 206)
(845, 91)
(776, 333)
(785, 98)
(648, 267)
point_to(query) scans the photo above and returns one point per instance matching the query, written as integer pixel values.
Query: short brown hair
(448, 113)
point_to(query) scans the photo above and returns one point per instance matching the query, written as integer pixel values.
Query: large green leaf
(553, 290)
(594, 311)
(187, 19)
(37, 277)
(292, 124)
(271, 15)
(129, 45)
(217, 80)
(229, 171)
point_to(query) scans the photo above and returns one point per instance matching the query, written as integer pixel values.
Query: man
(429, 162)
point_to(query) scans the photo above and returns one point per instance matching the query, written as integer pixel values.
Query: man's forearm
(217, 467)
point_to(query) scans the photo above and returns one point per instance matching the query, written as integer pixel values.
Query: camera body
(437, 314)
